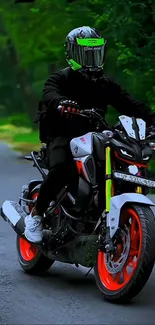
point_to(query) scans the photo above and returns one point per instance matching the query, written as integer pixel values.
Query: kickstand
(89, 271)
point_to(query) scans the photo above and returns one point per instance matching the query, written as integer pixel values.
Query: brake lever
(151, 136)
(86, 111)
(78, 114)
(93, 114)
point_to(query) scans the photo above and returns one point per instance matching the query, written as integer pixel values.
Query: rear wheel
(121, 276)
(30, 258)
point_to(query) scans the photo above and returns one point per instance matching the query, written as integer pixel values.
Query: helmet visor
(87, 55)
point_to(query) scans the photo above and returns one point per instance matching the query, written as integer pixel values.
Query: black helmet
(85, 50)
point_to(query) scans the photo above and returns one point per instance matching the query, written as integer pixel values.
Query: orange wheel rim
(27, 250)
(116, 270)
(33, 197)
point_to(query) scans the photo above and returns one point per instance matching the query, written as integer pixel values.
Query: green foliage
(31, 47)
(31, 137)
(37, 33)
(129, 29)
(19, 119)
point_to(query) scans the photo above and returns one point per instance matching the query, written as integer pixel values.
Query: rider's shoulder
(107, 79)
(65, 72)
(62, 74)
(110, 82)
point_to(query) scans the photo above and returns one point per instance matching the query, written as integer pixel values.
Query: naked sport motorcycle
(105, 221)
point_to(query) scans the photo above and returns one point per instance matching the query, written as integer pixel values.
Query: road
(64, 295)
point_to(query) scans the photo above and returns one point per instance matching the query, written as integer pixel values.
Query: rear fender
(116, 204)
(36, 188)
(26, 193)
(27, 188)
(33, 184)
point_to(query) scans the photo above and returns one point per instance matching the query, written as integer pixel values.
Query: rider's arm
(53, 91)
(124, 103)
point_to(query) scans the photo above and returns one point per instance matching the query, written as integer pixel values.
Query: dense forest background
(31, 47)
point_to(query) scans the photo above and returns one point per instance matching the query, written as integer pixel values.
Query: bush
(20, 120)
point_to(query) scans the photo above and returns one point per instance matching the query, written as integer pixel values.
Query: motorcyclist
(85, 86)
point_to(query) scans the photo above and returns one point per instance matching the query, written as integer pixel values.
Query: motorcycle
(105, 221)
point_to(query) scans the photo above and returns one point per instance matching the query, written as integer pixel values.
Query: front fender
(116, 204)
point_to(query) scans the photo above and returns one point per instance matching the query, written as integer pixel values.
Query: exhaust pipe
(13, 213)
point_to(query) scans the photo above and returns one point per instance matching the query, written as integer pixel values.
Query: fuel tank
(82, 146)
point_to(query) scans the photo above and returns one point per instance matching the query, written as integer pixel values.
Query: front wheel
(121, 276)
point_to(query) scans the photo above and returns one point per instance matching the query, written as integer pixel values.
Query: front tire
(121, 276)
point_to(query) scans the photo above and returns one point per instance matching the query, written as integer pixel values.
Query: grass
(22, 139)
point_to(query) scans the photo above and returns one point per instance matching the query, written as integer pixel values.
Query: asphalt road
(64, 295)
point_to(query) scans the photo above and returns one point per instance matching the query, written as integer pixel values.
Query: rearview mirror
(152, 145)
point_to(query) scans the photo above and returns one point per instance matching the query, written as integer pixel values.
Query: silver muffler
(13, 213)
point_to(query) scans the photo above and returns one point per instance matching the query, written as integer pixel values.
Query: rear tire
(141, 247)
(30, 258)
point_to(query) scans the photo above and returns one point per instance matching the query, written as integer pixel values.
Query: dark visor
(88, 54)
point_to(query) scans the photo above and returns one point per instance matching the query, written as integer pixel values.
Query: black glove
(68, 106)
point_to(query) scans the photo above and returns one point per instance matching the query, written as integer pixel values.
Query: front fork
(139, 190)
(108, 179)
(105, 239)
(106, 243)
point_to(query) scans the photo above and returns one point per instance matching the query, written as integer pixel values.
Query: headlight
(146, 158)
(133, 169)
(125, 153)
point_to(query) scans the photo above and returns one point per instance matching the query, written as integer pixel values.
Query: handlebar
(92, 113)
(151, 133)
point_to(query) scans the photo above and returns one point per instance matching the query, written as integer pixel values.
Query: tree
(129, 28)
(36, 31)
(33, 48)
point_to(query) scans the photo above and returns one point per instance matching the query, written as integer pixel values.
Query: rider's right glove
(68, 106)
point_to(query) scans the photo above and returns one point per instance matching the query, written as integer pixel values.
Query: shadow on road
(61, 277)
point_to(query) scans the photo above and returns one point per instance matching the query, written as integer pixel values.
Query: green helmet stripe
(74, 65)
(90, 41)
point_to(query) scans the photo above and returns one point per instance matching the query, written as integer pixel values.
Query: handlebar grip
(59, 108)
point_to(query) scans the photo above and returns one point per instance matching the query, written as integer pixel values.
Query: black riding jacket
(88, 94)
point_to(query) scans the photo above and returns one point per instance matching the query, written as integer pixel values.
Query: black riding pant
(61, 171)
